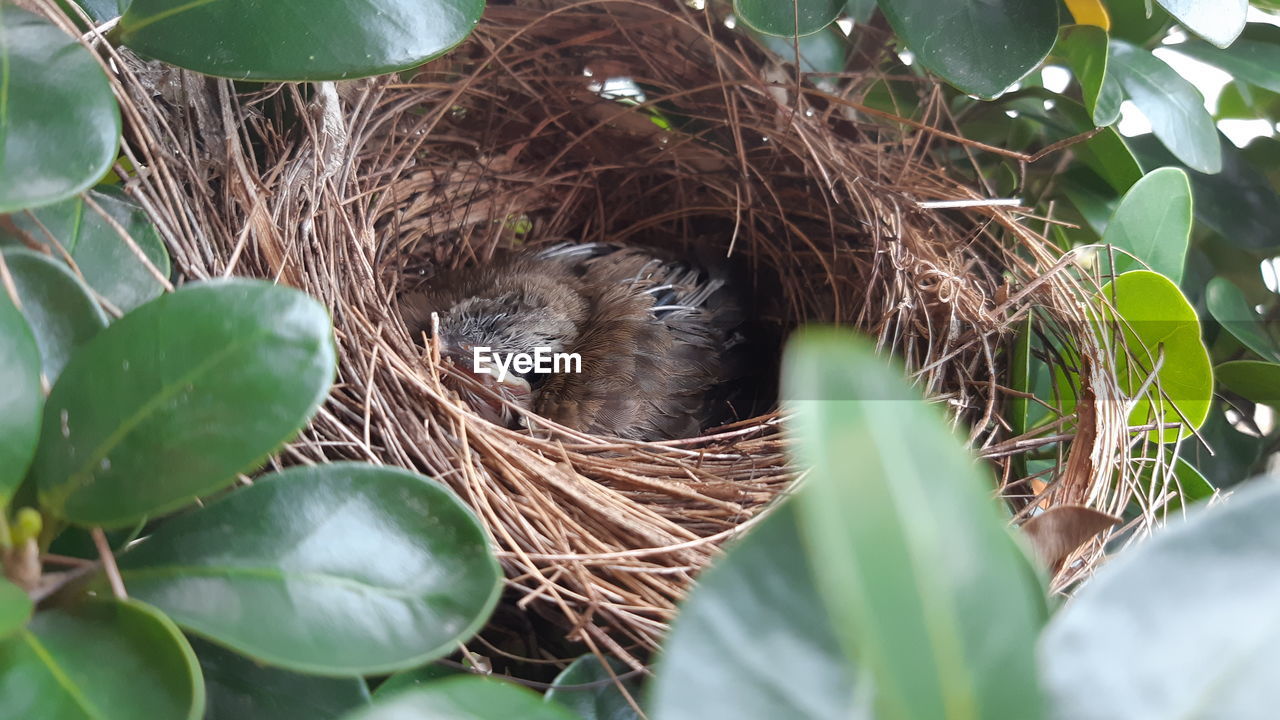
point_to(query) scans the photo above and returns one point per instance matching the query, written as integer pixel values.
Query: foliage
(891, 592)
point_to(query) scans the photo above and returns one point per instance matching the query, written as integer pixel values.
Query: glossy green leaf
(209, 379)
(101, 660)
(1084, 47)
(1153, 224)
(787, 19)
(1218, 21)
(15, 608)
(980, 46)
(1241, 100)
(102, 10)
(1108, 155)
(1251, 379)
(21, 397)
(62, 314)
(469, 697)
(1127, 638)
(1131, 21)
(350, 569)
(59, 123)
(1254, 58)
(240, 689)
(588, 690)
(1192, 483)
(317, 40)
(1237, 203)
(1174, 106)
(1227, 305)
(1154, 320)
(821, 52)
(717, 663)
(912, 556)
(108, 264)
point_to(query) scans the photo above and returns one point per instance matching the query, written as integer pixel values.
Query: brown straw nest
(357, 191)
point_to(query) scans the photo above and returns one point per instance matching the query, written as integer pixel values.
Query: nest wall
(637, 123)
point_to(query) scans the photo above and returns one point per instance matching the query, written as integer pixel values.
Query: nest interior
(633, 123)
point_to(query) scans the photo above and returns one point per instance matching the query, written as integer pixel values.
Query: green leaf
(102, 10)
(602, 700)
(1253, 380)
(787, 19)
(717, 663)
(101, 660)
(58, 307)
(59, 123)
(1237, 203)
(317, 40)
(209, 380)
(1126, 636)
(1174, 106)
(821, 52)
(860, 11)
(104, 258)
(15, 608)
(1131, 21)
(1218, 21)
(1108, 155)
(350, 569)
(1084, 47)
(1227, 304)
(1254, 58)
(1152, 320)
(415, 677)
(911, 555)
(980, 46)
(240, 689)
(21, 397)
(1153, 224)
(469, 697)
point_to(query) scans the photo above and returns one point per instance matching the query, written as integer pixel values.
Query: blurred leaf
(1218, 21)
(912, 556)
(1084, 48)
(59, 123)
(1240, 100)
(317, 40)
(350, 569)
(980, 46)
(240, 689)
(105, 260)
(1126, 636)
(1237, 203)
(1174, 106)
(21, 397)
(717, 663)
(1227, 305)
(102, 10)
(209, 380)
(787, 19)
(415, 677)
(15, 608)
(821, 52)
(1158, 327)
(1253, 380)
(602, 701)
(1130, 21)
(470, 697)
(57, 306)
(1235, 455)
(101, 660)
(1089, 12)
(1254, 58)
(860, 10)
(1153, 223)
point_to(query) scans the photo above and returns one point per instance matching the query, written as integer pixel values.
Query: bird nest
(634, 123)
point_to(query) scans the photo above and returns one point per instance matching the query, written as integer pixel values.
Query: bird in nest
(657, 338)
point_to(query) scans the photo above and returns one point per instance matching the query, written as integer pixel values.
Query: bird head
(512, 322)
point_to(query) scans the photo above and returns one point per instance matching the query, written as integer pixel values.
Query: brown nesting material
(356, 192)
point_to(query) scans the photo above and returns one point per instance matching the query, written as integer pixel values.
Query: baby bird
(655, 336)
